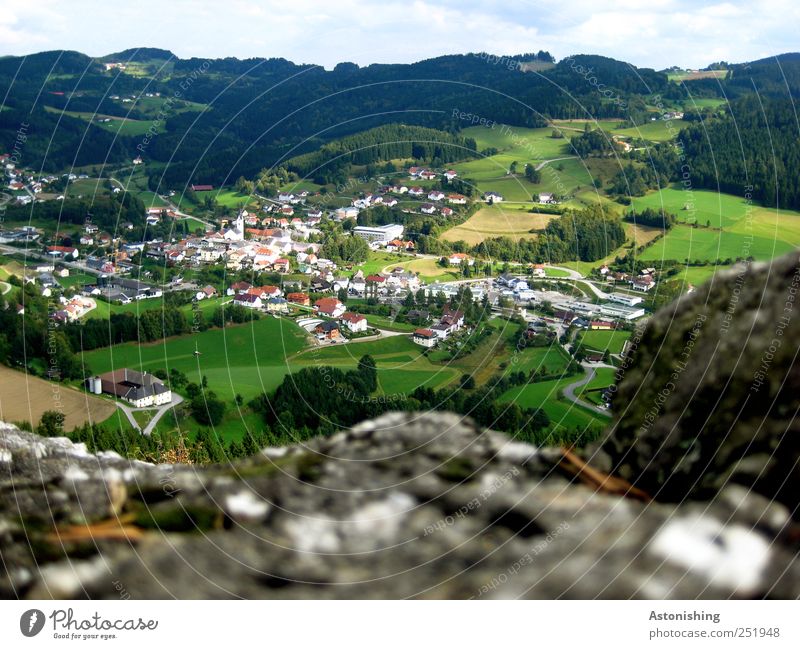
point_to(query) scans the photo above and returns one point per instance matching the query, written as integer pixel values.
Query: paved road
(542, 165)
(569, 391)
(5, 287)
(176, 399)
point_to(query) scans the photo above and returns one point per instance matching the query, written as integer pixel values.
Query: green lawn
(592, 391)
(517, 143)
(659, 131)
(706, 207)
(245, 359)
(599, 340)
(564, 415)
(401, 365)
(684, 242)
(546, 360)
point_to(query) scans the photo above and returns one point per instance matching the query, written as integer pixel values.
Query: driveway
(176, 399)
(569, 391)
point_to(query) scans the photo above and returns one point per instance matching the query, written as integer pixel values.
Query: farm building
(140, 389)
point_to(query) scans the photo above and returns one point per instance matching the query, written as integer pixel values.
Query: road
(569, 391)
(176, 399)
(544, 163)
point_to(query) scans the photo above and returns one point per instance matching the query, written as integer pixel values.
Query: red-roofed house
(329, 306)
(424, 337)
(355, 322)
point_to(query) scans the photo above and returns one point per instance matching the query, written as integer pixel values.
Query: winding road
(569, 391)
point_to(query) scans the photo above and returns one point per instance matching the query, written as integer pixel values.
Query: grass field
(714, 208)
(601, 341)
(546, 360)
(592, 391)
(120, 125)
(401, 365)
(25, 398)
(564, 415)
(428, 269)
(498, 221)
(684, 242)
(660, 130)
(245, 359)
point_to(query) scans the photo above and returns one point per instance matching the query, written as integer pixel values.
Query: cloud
(656, 34)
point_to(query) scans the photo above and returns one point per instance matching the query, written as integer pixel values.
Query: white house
(424, 337)
(355, 322)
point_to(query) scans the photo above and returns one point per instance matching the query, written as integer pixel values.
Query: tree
(51, 424)
(207, 408)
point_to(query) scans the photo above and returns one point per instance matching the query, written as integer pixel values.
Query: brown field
(498, 222)
(25, 398)
(641, 234)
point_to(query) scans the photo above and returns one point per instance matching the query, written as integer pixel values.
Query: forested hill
(230, 117)
(756, 146)
(212, 121)
(380, 144)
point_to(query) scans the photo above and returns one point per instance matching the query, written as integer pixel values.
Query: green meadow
(245, 359)
(600, 341)
(564, 415)
(684, 242)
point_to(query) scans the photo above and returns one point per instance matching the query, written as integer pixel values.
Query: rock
(710, 393)
(408, 505)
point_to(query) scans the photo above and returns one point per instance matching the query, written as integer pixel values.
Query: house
(390, 202)
(458, 258)
(456, 199)
(86, 240)
(643, 283)
(416, 191)
(63, 251)
(277, 305)
(202, 188)
(329, 306)
(428, 208)
(452, 318)
(328, 330)
(206, 292)
(601, 325)
(493, 197)
(239, 287)
(546, 198)
(435, 196)
(424, 337)
(140, 389)
(299, 298)
(450, 175)
(348, 212)
(247, 300)
(355, 322)
(281, 265)
(427, 175)
(447, 211)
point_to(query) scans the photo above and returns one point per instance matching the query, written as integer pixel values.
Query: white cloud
(656, 34)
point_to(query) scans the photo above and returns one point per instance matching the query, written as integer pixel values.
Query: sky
(651, 33)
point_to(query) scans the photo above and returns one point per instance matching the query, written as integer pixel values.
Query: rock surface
(404, 506)
(713, 389)
(431, 506)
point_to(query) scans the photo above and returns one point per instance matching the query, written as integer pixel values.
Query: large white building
(379, 233)
(140, 389)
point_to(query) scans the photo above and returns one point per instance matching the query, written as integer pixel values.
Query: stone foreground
(403, 506)
(431, 506)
